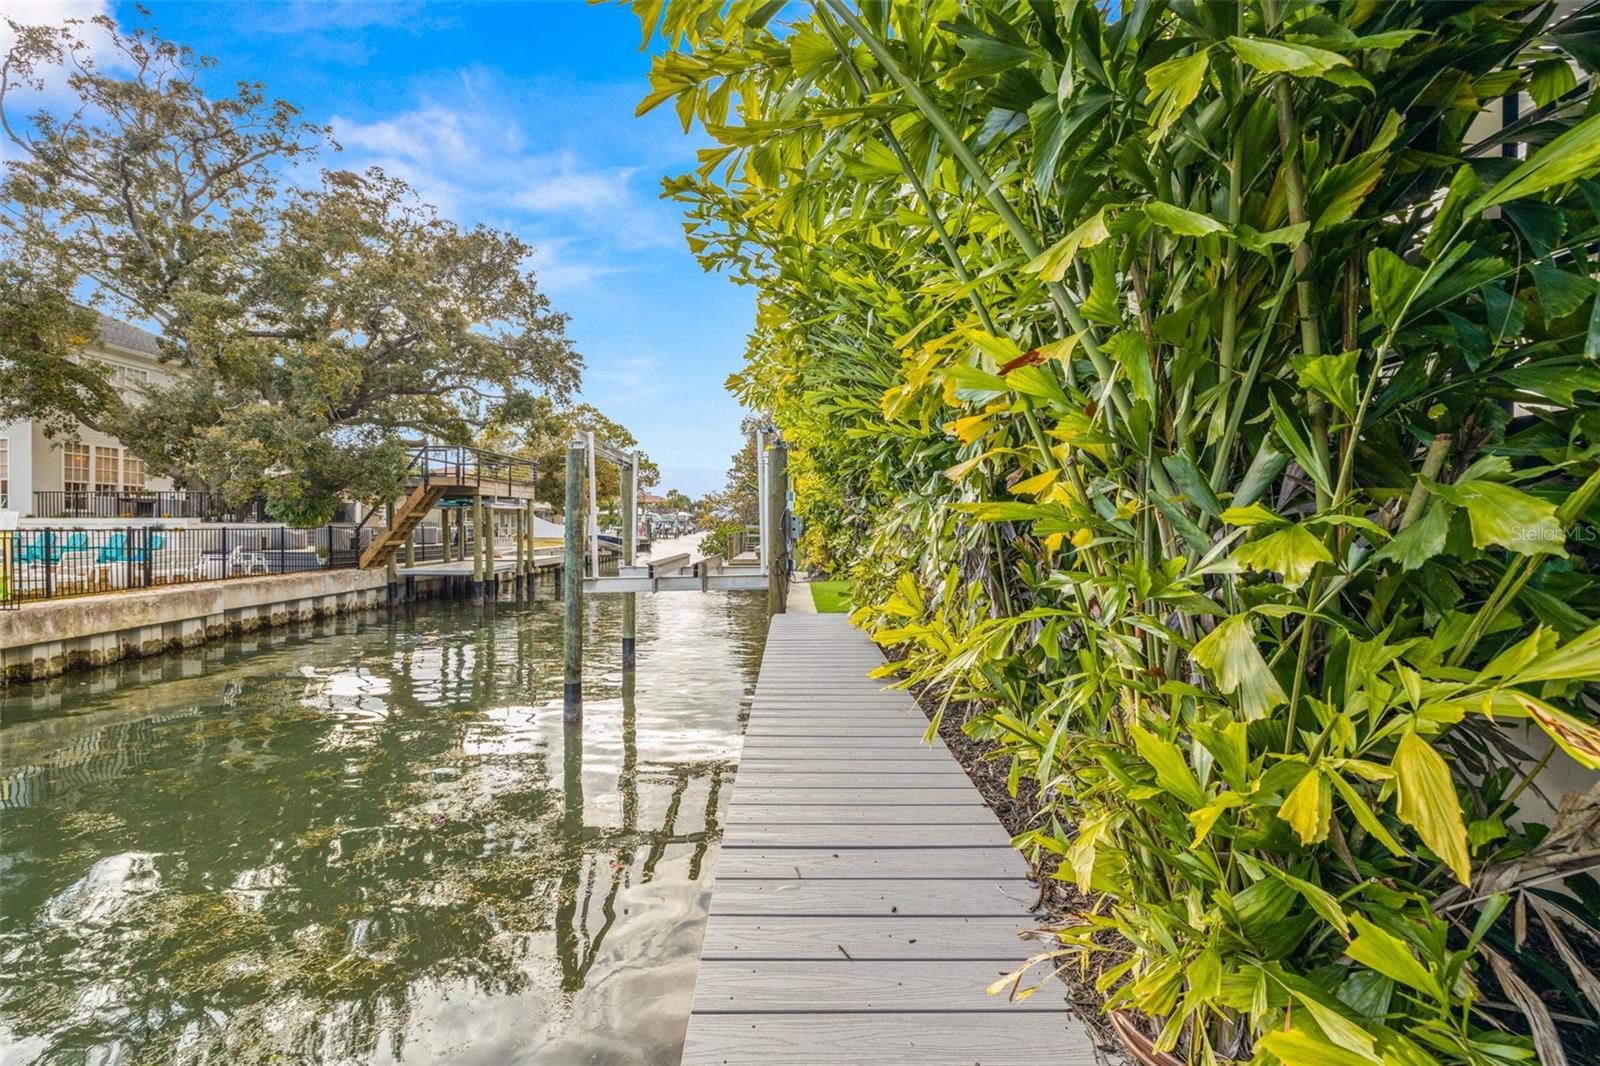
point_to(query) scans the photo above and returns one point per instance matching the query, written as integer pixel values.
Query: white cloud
(55, 92)
(420, 135)
(560, 268)
(464, 148)
(560, 181)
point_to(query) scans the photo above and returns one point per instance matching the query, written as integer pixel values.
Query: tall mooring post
(522, 544)
(477, 549)
(572, 587)
(630, 546)
(531, 572)
(390, 570)
(490, 584)
(775, 536)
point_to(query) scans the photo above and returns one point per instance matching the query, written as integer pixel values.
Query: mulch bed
(1059, 901)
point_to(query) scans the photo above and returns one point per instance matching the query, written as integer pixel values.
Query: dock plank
(864, 939)
(885, 1039)
(865, 896)
(856, 863)
(735, 986)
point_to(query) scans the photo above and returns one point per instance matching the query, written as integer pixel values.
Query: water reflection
(371, 842)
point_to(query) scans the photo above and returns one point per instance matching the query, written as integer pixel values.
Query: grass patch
(831, 597)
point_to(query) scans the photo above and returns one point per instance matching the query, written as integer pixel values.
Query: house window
(135, 378)
(75, 476)
(132, 474)
(105, 469)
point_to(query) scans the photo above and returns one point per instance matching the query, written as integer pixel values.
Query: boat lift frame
(678, 573)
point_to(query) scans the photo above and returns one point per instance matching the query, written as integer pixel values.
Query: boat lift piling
(572, 589)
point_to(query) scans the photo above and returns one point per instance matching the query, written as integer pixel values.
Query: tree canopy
(319, 327)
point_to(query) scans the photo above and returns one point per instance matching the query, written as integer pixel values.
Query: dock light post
(572, 587)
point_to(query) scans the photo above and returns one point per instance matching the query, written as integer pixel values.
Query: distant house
(94, 476)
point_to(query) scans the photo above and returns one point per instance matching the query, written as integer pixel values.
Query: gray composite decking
(865, 896)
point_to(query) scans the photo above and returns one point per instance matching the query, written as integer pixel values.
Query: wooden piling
(521, 547)
(532, 571)
(390, 571)
(572, 588)
(477, 549)
(444, 533)
(775, 537)
(630, 527)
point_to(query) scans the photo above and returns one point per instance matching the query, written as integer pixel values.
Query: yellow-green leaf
(1230, 653)
(1173, 87)
(1297, 1047)
(1206, 817)
(1386, 953)
(1506, 516)
(1286, 57)
(1254, 515)
(1428, 803)
(1291, 551)
(1183, 222)
(1172, 769)
(1052, 263)
(1574, 154)
(1307, 808)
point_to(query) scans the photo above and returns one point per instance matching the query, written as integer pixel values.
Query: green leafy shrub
(1200, 392)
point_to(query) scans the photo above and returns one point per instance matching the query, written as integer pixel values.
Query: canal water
(372, 841)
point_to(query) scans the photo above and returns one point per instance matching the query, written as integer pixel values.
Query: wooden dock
(865, 897)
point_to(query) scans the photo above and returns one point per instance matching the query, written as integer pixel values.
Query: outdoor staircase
(412, 510)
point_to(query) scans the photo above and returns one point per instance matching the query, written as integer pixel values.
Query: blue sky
(520, 116)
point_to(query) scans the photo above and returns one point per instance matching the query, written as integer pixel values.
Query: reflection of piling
(573, 832)
(630, 529)
(572, 588)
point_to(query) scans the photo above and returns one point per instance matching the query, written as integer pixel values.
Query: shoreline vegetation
(1202, 400)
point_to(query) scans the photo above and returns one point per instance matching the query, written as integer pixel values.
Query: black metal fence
(178, 503)
(41, 564)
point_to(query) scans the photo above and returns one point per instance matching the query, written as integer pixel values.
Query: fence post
(330, 546)
(282, 562)
(572, 588)
(149, 563)
(47, 537)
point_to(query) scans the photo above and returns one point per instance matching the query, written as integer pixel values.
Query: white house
(94, 476)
